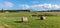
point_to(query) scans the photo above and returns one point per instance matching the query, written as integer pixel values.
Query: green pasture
(12, 20)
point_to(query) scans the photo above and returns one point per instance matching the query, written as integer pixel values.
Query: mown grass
(13, 21)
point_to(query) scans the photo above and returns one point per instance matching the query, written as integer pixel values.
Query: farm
(12, 20)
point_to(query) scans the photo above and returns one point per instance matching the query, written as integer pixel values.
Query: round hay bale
(24, 19)
(42, 17)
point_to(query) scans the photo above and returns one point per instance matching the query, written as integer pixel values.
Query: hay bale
(42, 17)
(24, 19)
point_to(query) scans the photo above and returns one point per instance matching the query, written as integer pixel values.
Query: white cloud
(24, 6)
(8, 4)
(51, 6)
(56, 6)
(45, 6)
(38, 7)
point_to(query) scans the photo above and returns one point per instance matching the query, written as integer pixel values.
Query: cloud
(24, 6)
(38, 7)
(6, 5)
(49, 6)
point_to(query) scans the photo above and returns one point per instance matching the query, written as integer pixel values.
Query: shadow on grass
(18, 21)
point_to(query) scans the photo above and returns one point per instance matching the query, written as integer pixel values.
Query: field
(12, 20)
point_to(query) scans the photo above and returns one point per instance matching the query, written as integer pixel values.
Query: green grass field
(12, 20)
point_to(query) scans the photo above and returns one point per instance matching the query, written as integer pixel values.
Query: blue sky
(30, 4)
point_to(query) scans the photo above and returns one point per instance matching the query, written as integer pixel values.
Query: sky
(35, 5)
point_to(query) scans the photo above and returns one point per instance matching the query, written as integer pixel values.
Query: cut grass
(34, 22)
(13, 21)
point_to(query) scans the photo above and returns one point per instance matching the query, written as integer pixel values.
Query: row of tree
(27, 10)
(50, 11)
(14, 10)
